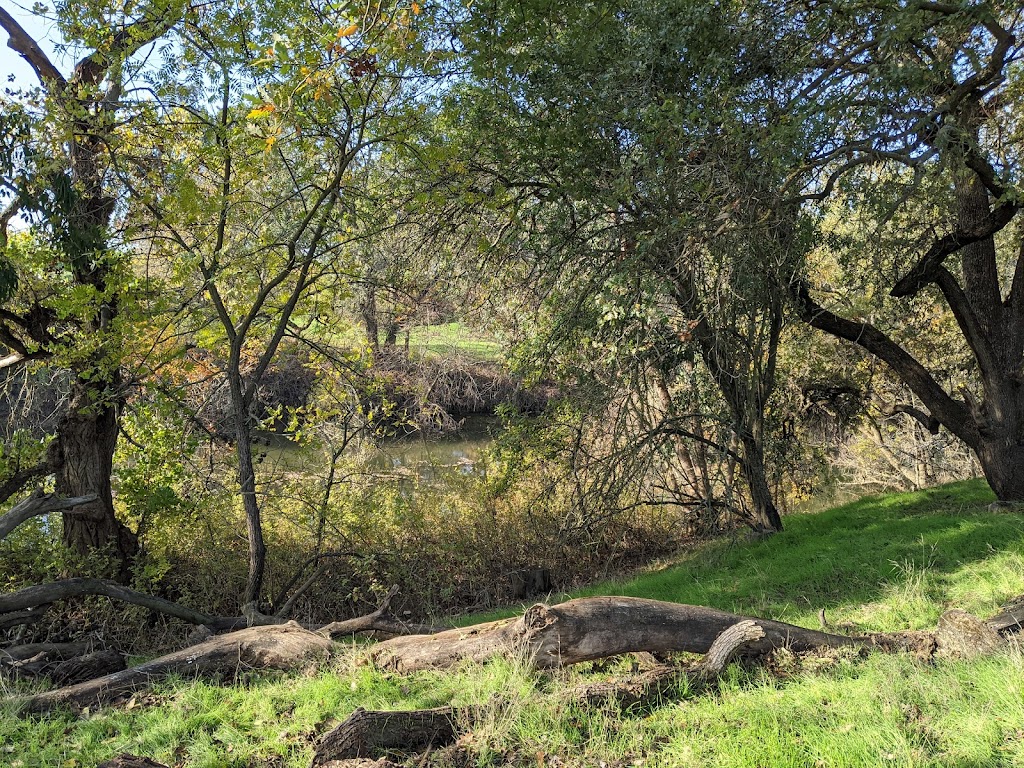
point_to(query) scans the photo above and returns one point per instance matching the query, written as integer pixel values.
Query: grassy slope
(881, 563)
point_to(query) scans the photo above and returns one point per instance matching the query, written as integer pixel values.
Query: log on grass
(131, 761)
(591, 628)
(284, 646)
(655, 683)
(368, 733)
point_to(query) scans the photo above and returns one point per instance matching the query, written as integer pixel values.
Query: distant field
(450, 339)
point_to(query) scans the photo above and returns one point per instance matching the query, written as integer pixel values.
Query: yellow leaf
(416, 9)
(261, 111)
(271, 139)
(351, 29)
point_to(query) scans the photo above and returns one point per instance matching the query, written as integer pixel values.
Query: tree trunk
(247, 488)
(1002, 461)
(283, 646)
(590, 628)
(766, 515)
(86, 439)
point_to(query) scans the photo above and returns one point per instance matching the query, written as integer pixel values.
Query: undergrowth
(883, 563)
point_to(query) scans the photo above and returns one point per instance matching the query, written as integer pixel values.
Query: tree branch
(926, 270)
(954, 415)
(38, 504)
(19, 41)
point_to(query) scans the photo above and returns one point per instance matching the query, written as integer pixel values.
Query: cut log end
(367, 733)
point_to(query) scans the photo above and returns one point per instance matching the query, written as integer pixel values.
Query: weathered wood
(39, 659)
(963, 635)
(18, 618)
(367, 733)
(56, 650)
(1010, 619)
(131, 761)
(86, 667)
(654, 684)
(275, 647)
(37, 504)
(739, 637)
(590, 628)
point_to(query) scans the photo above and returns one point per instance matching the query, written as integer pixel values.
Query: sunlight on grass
(882, 563)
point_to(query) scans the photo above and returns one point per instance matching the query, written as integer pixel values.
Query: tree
(646, 182)
(56, 173)
(929, 95)
(259, 204)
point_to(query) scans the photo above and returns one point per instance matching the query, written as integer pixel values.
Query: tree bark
(766, 514)
(655, 683)
(283, 646)
(587, 629)
(367, 733)
(38, 504)
(86, 439)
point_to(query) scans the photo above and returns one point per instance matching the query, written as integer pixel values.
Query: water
(430, 456)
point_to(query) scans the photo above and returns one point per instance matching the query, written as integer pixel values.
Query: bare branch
(19, 41)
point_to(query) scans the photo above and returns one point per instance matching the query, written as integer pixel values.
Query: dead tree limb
(590, 628)
(43, 594)
(656, 683)
(368, 733)
(275, 647)
(37, 504)
(60, 651)
(1010, 619)
(381, 620)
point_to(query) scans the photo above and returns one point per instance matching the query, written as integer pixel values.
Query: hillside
(883, 563)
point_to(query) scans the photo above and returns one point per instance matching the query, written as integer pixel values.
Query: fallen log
(1010, 619)
(275, 647)
(367, 733)
(590, 628)
(40, 659)
(20, 618)
(87, 667)
(654, 684)
(131, 761)
(57, 650)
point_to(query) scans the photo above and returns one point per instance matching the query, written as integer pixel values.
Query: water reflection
(428, 457)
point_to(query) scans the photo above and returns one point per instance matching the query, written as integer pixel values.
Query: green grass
(450, 339)
(884, 563)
